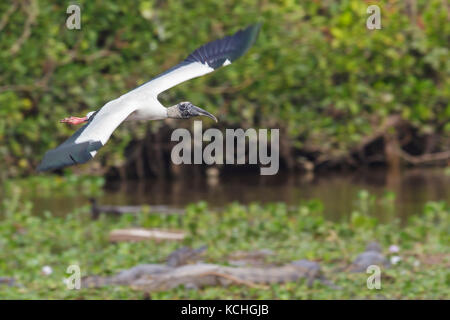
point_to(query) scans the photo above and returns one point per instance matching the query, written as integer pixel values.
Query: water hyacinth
(291, 234)
(46, 270)
(395, 259)
(394, 248)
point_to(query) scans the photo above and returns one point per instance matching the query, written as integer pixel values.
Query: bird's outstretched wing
(84, 143)
(205, 59)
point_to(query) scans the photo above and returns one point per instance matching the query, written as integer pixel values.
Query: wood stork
(142, 103)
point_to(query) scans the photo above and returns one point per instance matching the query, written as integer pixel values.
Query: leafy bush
(315, 71)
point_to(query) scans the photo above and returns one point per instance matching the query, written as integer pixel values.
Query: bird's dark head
(186, 110)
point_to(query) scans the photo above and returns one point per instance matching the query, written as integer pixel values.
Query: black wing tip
(254, 30)
(245, 39)
(250, 35)
(228, 49)
(46, 166)
(70, 155)
(251, 31)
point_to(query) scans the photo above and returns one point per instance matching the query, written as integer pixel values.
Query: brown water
(340, 193)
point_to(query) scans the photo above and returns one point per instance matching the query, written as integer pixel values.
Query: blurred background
(363, 114)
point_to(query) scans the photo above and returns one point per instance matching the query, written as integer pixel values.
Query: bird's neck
(173, 112)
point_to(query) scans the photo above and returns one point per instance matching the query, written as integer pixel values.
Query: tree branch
(30, 9)
(8, 13)
(424, 158)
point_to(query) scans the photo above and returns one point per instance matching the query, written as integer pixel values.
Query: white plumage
(142, 103)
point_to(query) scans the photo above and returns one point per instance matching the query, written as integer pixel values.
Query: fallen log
(151, 278)
(141, 234)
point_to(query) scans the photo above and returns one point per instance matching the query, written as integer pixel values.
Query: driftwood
(160, 277)
(141, 234)
(96, 209)
(156, 277)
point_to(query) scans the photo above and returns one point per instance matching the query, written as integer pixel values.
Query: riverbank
(36, 251)
(375, 192)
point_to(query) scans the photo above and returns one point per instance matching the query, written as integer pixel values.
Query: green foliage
(28, 243)
(315, 71)
(52, 185)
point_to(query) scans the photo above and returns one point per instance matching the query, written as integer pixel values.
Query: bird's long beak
(205, 113)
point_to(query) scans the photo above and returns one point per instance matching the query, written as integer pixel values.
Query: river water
(367, 190)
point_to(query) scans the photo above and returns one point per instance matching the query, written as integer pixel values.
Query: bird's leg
(74, 120)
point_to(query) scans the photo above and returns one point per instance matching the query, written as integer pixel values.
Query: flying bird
(142, 102)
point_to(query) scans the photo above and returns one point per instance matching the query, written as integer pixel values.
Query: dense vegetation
(333, 86)
(36, 250)
(340, 93)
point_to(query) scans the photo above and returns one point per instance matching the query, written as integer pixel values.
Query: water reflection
(338, 192)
